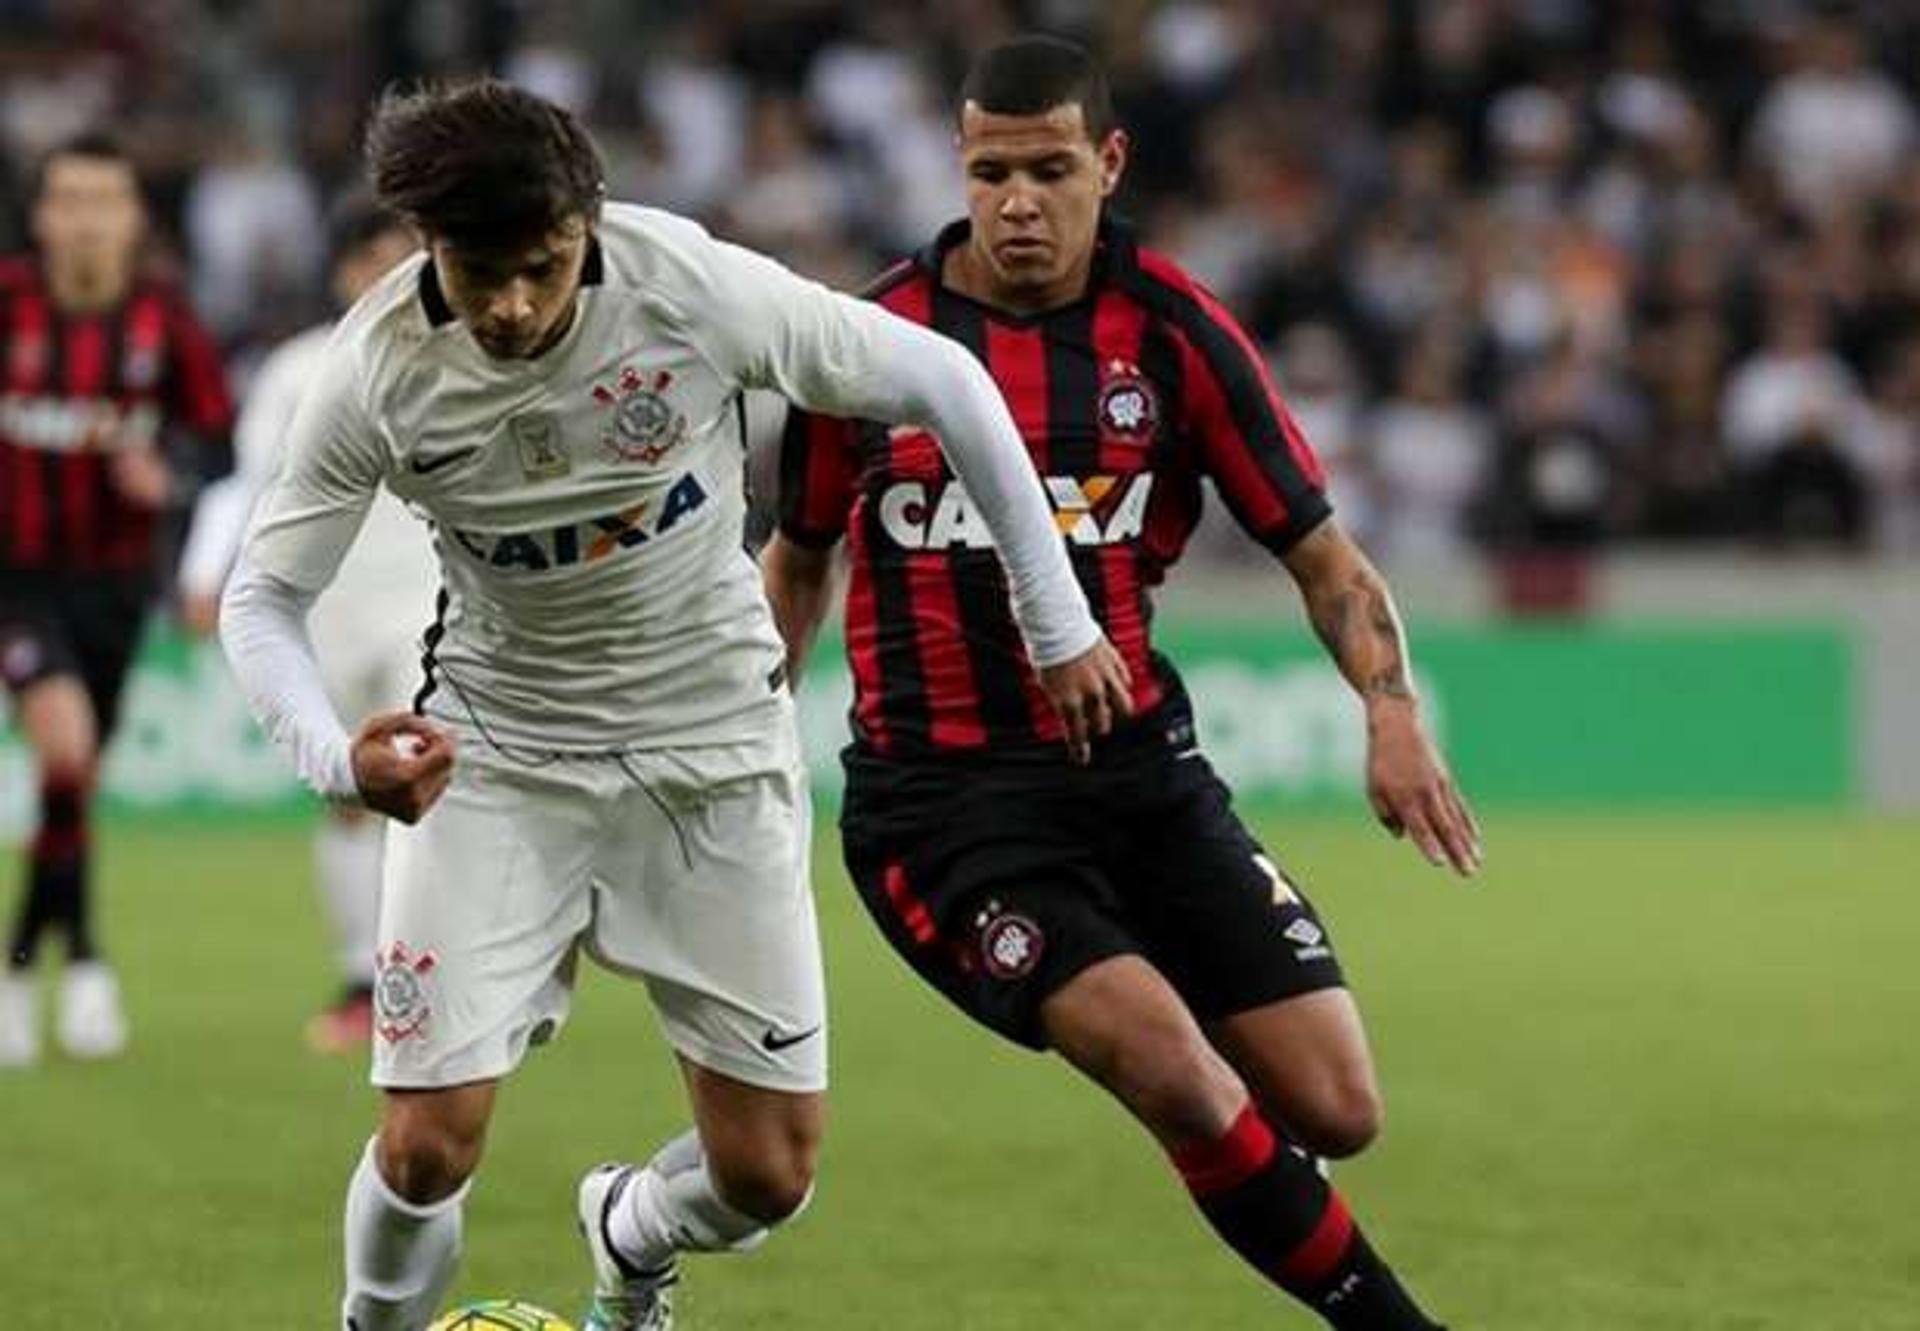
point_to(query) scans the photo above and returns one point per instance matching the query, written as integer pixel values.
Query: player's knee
(1343, 1121)
(424, 1160)
(771, 1188)
(761, 1157)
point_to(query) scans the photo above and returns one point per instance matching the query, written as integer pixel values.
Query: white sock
(346, 868)
(673, 1207)
(400, 1256)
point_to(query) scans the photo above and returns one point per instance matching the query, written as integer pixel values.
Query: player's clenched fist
(402, 763)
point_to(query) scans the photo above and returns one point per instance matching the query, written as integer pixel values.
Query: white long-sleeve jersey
(588, 504)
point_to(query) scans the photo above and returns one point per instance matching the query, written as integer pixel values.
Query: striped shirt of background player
(937, 665)
(70, 386)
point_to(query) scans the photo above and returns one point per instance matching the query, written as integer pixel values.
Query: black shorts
(999, 883)
(89, 628)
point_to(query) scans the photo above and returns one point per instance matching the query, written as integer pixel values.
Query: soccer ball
(502, 1315)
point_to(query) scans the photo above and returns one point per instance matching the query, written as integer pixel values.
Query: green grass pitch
(1651, 1072)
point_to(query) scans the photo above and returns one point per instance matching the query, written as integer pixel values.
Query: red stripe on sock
(57, 845)
(1229, 1160)
(62, 834)
(1314, 1261)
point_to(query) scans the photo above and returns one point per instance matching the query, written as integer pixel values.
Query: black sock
(56, 896)
(1273, 1208)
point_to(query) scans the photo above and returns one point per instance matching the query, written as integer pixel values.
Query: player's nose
(511, 305)
(1019, 204)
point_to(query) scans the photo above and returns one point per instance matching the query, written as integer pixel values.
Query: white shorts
(687, 868)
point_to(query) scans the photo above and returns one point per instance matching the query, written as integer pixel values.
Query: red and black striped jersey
(74, 388)
(1127, 399)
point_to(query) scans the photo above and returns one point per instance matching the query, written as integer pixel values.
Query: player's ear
(1112, 152)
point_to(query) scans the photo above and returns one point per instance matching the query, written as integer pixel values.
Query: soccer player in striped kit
(1117, 912)
(97, 360)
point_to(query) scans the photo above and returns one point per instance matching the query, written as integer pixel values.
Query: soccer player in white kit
(556, 383)
(366, 628)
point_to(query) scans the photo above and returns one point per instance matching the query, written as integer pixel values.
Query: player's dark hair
(1029, 76)
(482, 165)
(98, 144)
(356, 219)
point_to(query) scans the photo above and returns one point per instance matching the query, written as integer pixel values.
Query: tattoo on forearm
(1357, 624)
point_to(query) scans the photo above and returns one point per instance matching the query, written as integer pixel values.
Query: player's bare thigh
(1122, 1023)
(1307, 1060)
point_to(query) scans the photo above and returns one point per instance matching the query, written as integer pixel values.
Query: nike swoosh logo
(773, 1042)
(427, 466)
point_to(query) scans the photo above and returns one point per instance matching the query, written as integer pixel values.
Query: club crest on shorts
(645, 426)
(20, 658)
(402, 992)
(1010, 944)
(1128, 405)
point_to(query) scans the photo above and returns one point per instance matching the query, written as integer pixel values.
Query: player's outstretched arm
(839, 356)
(1081, 673)
(1352, 611)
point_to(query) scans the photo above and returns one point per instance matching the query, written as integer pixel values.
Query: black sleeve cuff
(1300, 524)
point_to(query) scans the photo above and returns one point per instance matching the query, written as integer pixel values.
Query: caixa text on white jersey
(584, 542)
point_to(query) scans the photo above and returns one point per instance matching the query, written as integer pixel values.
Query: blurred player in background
(557, 385)
(1119, 913)
(368, 625)
(102, 369)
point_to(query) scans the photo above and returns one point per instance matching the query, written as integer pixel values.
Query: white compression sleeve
(263, 627)
(940, 384)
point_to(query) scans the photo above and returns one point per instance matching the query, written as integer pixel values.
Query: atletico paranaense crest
(644, 427)
(1128, 404)
(1010, 943)
(403, 990)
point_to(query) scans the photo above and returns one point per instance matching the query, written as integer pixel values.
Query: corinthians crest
(645, 427)
(402, 992)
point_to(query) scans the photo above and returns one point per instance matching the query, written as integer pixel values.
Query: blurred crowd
(1532, 273)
